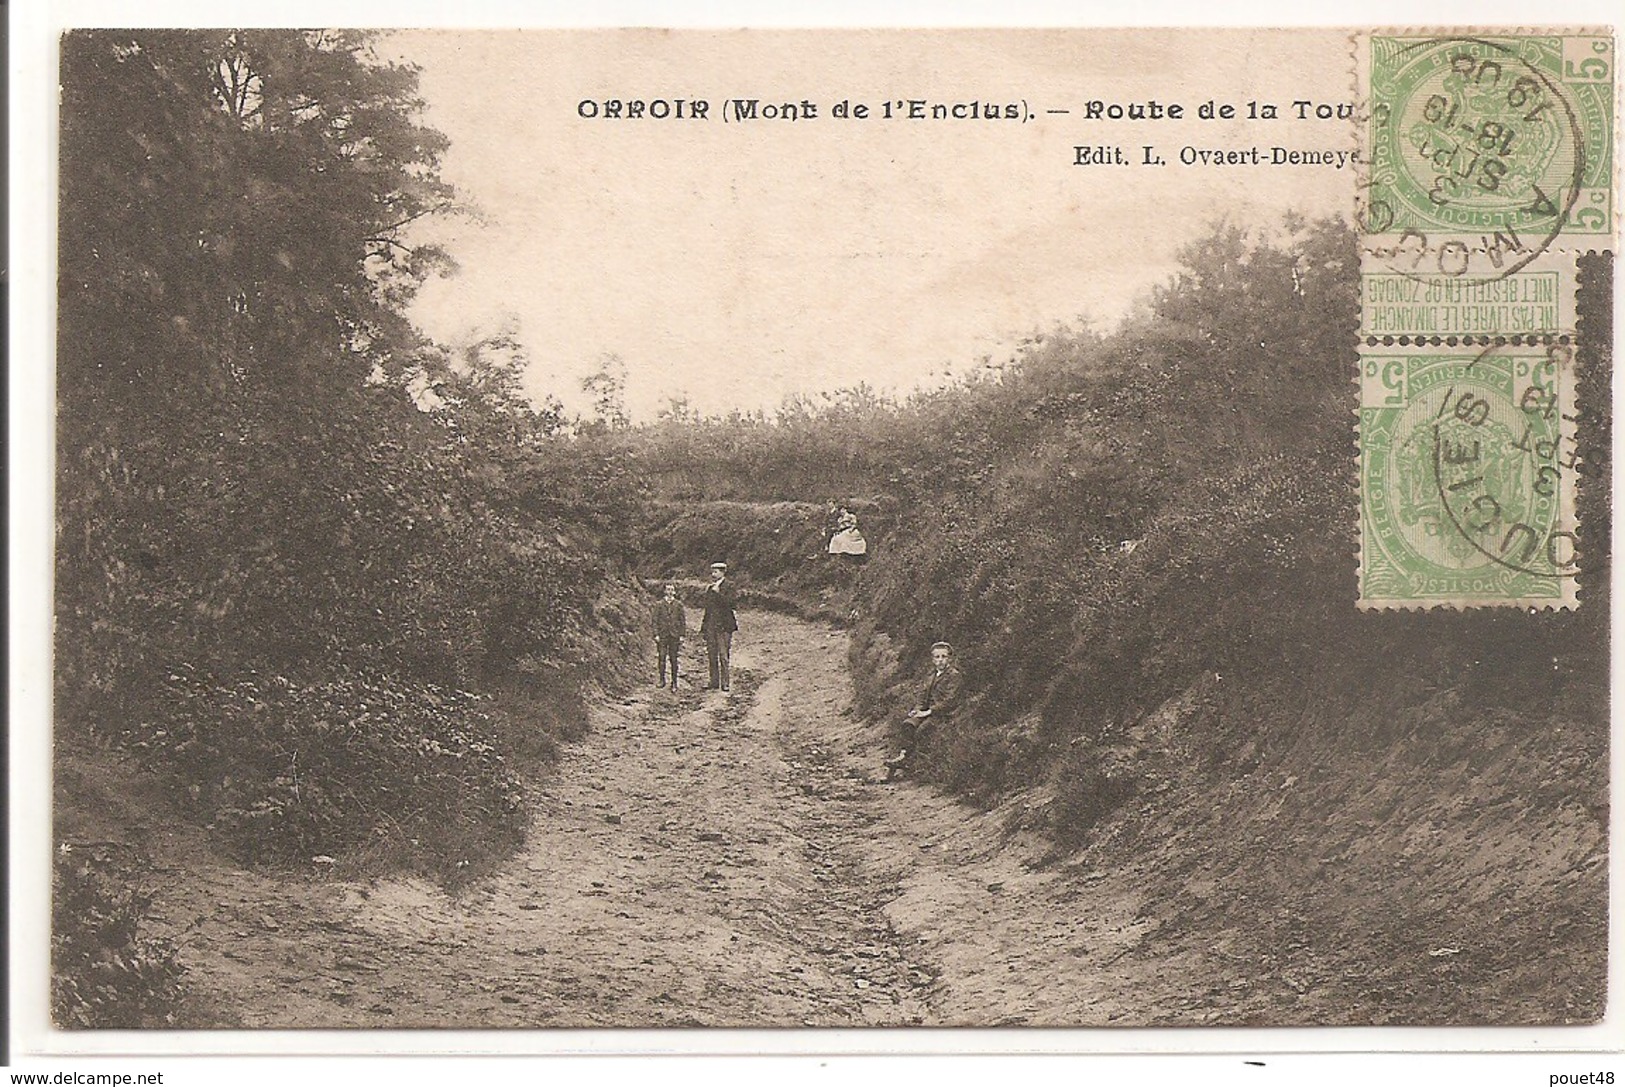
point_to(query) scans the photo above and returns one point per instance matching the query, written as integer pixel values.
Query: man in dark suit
(669, 627)
(719, 624)
(938, 701)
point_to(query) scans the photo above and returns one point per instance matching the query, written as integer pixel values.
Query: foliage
(232, 265)
(265, 472)
(234, 208)
(289, 770)
(476, 388)
(607, 387)
(104, 973)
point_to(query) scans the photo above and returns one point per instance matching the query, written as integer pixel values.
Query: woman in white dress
(847, 539)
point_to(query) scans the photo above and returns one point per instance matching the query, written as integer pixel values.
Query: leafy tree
(257, 476)
(607, 387)
(239, 197)
(233, 264)
(477, 386)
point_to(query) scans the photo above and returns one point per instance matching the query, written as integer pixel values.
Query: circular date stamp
(1467, 479)
(1485, 151)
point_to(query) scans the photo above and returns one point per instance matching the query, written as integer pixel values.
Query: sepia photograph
(562, 529)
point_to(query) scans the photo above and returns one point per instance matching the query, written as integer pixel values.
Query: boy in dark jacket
(939, 698)
(670, 623)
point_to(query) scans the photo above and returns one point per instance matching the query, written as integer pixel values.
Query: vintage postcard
(603, 530)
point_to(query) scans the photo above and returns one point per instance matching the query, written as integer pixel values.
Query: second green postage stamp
(1467, 478)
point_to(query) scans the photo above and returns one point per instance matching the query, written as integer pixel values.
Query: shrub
(290, 769)
(104, 973)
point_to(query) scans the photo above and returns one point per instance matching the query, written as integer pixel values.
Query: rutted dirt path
(700, 858)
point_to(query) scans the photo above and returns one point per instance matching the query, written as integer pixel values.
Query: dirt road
(701, 858)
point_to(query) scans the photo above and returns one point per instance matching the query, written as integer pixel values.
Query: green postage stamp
(1489, 169)
(1467, 477)
(1508, 135)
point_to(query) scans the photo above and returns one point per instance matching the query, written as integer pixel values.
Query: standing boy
(670, 624)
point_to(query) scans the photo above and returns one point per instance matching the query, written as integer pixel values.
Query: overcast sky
(736, 263)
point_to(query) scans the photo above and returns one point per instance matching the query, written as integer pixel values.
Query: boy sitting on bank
(938, 700)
